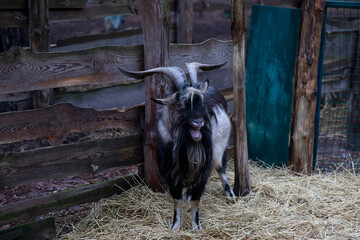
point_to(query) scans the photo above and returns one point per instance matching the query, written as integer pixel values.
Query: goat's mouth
(195, 133)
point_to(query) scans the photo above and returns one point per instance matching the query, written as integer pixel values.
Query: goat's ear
(165, 101)
(204, 86)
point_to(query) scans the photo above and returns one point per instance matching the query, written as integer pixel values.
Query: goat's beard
(190, 156)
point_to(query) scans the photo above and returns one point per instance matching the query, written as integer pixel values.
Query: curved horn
(193, 67)
(176, 74)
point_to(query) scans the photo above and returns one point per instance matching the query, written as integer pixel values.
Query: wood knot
(150, 138)
(318, 7)
(314, 96)
(309, 60)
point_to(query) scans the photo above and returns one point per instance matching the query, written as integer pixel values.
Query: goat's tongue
(195, 133)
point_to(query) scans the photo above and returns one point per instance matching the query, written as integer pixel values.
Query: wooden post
(39, 35)
(156, 22)
(305, 87)
(353, 112)
(242, 176)
(184, 22)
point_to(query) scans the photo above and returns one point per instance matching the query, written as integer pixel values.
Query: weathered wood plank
(100, 37)
(13, 97)
(305, 88)
(122, 38)
(43, 229)
(156, 24)
(270, 74)
(125, 38)
(57, 121)
(39, 35)
(242, 175)
(184, 20)
(36, 71)
(24, 71)
(68, 198)
(23, 4)
(69, 160)
(14, 19)
(126, 96)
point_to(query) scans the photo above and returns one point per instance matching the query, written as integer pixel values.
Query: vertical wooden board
(271, 58)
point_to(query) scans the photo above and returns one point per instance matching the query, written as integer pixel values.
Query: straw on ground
(282, 205)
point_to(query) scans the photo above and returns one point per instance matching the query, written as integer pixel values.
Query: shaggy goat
(193, 131)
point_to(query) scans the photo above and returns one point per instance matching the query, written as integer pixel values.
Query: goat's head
(185, 104)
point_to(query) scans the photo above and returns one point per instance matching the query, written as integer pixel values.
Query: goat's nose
(198, 122)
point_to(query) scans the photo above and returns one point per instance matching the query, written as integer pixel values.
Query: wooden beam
(69, 160)
(57, 121)
(100, 37)
(123, 38)
(22, 71)
(39, 36)
(35, 206)
(305, 87)
(53, 4)
(242, 176)
(43, 229)
(184, 19)
(156, 22)
(39, 26)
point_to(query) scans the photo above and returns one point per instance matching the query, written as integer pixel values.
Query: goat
(193, 129)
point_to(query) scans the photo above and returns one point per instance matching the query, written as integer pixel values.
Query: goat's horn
(176, 74)
(193, 67)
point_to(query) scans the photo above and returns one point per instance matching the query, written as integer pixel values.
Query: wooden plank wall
(15, 15)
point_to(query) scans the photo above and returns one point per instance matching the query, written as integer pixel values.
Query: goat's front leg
(195, 215)
(177, 215)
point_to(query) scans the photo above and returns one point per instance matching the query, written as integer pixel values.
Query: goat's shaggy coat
(193, 132)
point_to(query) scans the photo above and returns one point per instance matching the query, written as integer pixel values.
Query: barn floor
(282, 205)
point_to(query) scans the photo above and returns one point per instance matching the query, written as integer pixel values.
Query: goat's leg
(196, 194)
(177, 215)
(195, 215)
(176, 193)
(220, 167)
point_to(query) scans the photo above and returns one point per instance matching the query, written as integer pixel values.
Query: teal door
(271, 57)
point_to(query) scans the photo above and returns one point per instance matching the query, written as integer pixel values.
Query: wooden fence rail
(22, 71)
(69, 160)
(56, 122)
(34, 206)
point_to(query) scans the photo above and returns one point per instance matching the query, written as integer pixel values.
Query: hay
(280, 206)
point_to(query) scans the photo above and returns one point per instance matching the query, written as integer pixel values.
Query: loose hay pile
(281, 206)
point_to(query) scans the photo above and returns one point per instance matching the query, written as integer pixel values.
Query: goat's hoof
(197, 227)
(175, 226)
(231, 196)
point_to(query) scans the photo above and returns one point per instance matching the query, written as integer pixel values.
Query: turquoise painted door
(271, 57)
